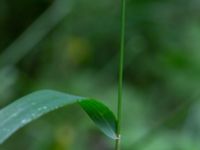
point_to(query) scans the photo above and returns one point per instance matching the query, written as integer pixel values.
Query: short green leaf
(101, 115)
(34, 105)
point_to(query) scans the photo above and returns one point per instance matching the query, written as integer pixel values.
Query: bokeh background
(72, 46)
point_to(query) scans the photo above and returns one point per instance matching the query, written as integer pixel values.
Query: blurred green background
(72, 46)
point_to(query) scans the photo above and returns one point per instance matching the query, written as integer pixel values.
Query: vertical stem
(121, 62)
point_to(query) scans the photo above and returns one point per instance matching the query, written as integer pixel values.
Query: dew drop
(24, 121)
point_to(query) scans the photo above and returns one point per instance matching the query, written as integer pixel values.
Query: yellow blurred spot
(64, 138)
(78, 50)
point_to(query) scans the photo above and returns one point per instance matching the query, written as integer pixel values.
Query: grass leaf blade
(34, 105)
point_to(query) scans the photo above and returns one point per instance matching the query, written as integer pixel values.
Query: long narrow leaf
(34, 105)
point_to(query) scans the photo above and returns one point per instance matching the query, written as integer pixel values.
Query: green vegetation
(39, 103)
(73, 47)
(33, 106)
(121, 65)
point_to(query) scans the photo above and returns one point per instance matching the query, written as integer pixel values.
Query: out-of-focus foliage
(77, 53)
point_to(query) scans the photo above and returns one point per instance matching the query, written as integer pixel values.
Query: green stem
(122, 49)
